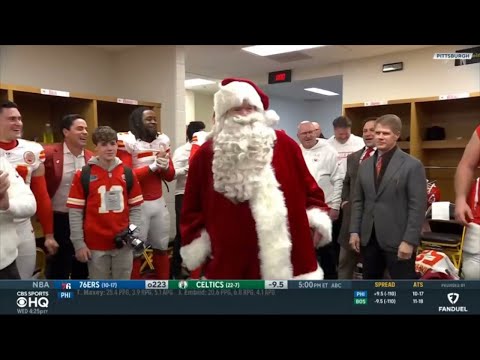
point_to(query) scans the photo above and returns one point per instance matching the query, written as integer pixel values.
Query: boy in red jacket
(108, 210)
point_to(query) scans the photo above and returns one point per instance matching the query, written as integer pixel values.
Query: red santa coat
(267, 237)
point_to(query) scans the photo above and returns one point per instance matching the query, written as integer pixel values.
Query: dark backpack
(85, 178)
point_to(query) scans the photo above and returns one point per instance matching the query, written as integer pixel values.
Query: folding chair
(446, 236)
(148, 260)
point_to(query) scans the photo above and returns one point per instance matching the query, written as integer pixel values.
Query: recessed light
(197, 82)
(321, 91)
(267, 50)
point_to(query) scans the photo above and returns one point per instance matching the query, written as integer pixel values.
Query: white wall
(204, 109)
(363, 80)
(70, 68)
(324, 112)
(189, 106)
(292, 112)
(422, 76)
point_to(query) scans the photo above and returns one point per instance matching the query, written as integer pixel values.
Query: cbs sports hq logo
(32, 302)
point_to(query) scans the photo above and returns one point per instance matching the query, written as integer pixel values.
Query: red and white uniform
(198, 139)
(27, 156)
(139, 154)
(101, 225)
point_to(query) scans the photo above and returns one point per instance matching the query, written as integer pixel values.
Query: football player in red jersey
(27, 157)
(107, 210)
(148, 152)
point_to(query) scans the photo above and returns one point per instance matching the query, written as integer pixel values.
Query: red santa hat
(233, 92)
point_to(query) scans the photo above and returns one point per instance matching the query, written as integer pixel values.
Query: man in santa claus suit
(251, 209)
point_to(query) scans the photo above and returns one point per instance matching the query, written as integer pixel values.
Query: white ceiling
(114, 48)
(217, 62)
(221, 61)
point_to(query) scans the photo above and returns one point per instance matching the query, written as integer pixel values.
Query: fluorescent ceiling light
(267, 50)
(321, 91)
(197, 82)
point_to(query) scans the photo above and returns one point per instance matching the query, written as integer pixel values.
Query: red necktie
(378, 167)
(366, 154)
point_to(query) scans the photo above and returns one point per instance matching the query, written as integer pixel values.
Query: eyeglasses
(307, 133)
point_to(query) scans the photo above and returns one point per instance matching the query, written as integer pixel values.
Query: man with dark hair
(348, 258)
(389, 205)
(181, 163)
(106, 211)
(343, 140)
(345, 143)
(27, 157)
(62, 160)
(148, 153)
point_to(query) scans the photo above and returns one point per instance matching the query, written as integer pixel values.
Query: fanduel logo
(453, 299)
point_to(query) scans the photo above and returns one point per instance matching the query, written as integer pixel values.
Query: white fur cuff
(314, 275)
(195, 253)
(471, 243)
(321, 222)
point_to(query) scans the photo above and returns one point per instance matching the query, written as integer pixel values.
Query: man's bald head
(302, 124)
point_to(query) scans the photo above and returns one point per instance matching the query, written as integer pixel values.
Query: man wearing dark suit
(348, 257)
(62, 160)
(389, 206)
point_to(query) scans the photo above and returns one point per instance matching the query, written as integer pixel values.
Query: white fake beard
(243, 150)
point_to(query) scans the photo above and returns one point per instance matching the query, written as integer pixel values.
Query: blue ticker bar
(238, 297)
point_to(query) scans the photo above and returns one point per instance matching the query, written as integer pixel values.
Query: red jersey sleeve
(135, 197)
(76, 197)
(477, 130)
(140, 172)
(44, 203)
(124, 156)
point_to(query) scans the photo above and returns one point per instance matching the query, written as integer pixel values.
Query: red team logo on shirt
(29, 157)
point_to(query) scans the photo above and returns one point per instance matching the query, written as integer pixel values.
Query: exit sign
(280, 77)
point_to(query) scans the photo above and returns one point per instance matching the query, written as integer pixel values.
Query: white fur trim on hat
(271, 117)
(233, 95)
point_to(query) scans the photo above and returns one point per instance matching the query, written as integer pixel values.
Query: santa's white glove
(153, 166)
(163, 163)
